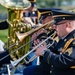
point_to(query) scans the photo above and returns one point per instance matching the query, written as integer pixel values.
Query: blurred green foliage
(45, 3)
(57, 4)
(3, 35)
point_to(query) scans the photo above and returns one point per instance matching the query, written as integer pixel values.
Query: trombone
(23, 36)
(16, 62)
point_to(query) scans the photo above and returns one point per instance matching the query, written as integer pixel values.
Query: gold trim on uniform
(72, 67)
(49, 12)
(61, 15)
(69, 51)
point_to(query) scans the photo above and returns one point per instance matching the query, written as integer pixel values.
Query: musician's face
(47, 19)
(61, 29)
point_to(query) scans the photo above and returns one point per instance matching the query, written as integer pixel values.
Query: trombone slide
(16, 62)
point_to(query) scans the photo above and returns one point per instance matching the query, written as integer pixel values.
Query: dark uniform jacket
(3, 25)
(62, 63)
(57, 63)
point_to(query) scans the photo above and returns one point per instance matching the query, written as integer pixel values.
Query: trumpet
(16, 62)
(25, 35)
(22, 36)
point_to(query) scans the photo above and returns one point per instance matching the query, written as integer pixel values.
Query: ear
(68, 24)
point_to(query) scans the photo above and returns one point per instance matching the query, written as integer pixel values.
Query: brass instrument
(24, 35)
(14, 8)
(21, 59)
(16, 62)
(18, 27)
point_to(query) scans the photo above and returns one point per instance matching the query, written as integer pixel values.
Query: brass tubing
(24, 35)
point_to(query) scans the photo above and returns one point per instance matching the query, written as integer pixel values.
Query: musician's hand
(40, 49)
(38, 33)
(34, 36)
(36, 42)
(28, 20)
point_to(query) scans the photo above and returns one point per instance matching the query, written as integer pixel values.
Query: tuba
(14, 8)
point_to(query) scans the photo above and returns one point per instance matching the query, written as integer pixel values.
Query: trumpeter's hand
(40, 50)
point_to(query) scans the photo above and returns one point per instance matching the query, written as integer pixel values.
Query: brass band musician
(46, 15)
(30, 15)
(61, 59)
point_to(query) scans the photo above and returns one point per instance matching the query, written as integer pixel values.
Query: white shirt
(1, 46)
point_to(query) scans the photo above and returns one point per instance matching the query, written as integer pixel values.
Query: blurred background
(64, 4)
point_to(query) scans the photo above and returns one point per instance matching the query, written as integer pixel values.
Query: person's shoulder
(73, 42)
(70, 36)
(4, 22)
(72, 39)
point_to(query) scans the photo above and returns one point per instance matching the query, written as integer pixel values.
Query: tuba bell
(14, 8)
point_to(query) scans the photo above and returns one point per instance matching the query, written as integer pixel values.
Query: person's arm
(4, 25)
(5, 58)
(65, 60)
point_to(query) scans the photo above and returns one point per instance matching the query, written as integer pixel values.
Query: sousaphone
(16, 24)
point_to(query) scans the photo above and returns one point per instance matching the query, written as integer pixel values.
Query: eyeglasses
(60, 23)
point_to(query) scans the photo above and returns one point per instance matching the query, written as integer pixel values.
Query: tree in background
(65, 4)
